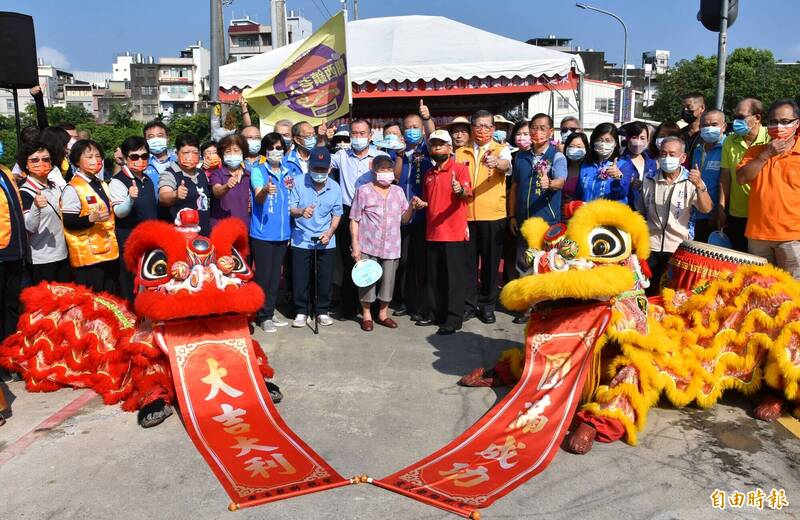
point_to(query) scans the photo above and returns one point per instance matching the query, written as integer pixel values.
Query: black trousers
(658, 267)
(99, 277)
(702, 228)
(303, 283)
(447, 269)
(348, 295)
(268, 257)
(485, 245)
(734, 228)
(11, 272)
(50, 272)
(411, 273)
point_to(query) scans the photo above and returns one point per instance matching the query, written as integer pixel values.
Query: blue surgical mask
(309, 142)
(254, 146)
(319, 178)
(157, 145)
(710, 134)
(413, 135)
(669, 164)
(233, 160)
(740, 127)
(576, 154)
(499, 136)
(359, 143)
(287, 143)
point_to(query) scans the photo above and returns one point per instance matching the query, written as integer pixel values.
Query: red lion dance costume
(69, 336)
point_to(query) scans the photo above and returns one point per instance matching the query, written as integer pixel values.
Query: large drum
(694, 262)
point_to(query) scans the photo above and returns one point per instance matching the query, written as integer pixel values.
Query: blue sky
(85, 34)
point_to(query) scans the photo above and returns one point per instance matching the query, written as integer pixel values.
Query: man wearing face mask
(707, 158)
(155, 132)
(669, 196)
(410, 172)
(502, 128)
(133, 200)
(747, 131)
(284, 128)
(692, 107)
(315, 202)
(771, 170)
(487, 162)
(568, 126)
(304, 139)
(252, 155)
(351, 168)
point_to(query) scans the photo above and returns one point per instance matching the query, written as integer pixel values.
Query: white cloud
(53, 57)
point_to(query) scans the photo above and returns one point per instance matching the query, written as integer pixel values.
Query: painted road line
(19, 446)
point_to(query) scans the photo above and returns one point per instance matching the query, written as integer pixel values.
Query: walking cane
(315, 241)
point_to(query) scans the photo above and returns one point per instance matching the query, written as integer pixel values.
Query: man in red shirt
(445, 192)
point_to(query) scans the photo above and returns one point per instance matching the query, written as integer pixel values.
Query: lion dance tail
(69, 336)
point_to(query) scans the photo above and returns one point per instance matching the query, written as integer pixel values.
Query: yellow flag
(312, 84)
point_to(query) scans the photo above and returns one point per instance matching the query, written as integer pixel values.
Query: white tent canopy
(416, 48)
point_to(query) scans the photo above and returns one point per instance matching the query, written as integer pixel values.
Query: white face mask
(669, 164)
(274, 156)
(253, 146)
(603, 148)
(233, 160)
(384, 178)
(659, 140)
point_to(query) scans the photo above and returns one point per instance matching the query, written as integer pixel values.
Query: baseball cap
(342, 131)
(441, 135)
(319, 157)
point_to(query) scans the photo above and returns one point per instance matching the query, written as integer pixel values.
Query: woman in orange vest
(89, 222)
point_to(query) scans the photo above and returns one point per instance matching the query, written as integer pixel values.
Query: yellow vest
(488, 201)
(5, 209)
(95, 244)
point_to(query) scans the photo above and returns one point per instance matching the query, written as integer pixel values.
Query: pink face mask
(523, 140)
(636, 146)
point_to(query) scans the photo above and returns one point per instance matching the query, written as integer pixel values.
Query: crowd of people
(439, 209)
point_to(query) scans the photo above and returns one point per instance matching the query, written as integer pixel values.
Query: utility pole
(217, 49)
(355, 9)
(722, 54)
(279, 30)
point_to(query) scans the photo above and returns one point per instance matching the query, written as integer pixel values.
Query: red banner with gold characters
(230, 418)
(519, 437)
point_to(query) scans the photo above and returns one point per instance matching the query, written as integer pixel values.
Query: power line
(316, 4)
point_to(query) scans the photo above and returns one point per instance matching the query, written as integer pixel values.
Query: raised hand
(613, 170)
(40, 201)
(490, 160)
(271, 188)
(695, 176)
(457, 187)
(183, 191)
(133, 191)
(308, 212)
(424, 111)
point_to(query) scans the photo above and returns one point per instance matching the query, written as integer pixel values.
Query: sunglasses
(36, 160)
(138, 156)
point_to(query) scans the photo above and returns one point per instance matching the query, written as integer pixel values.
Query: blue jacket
(292, 163)
(416, 161)
(709, 163)
(591, 186)
(270, 221)
(650, 167)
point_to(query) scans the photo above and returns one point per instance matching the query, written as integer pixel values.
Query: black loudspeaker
(17, 51)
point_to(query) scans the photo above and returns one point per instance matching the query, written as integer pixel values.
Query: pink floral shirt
(379, 220)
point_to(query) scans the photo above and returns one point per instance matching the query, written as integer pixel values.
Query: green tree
(749, 72)
(121, 114)
(197, 124)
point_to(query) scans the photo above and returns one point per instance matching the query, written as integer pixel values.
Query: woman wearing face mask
(604, 175)
(133, 199)
(182, 185)
(89, 224)
(56, 139)
(637, 141)
(230, 183)
(664, 130)
(375, 217)
(211, 159)
(521, 137)
(575, 147)
(270, 230)
(42, 214)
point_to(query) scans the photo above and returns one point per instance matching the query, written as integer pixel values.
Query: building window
(563, 103)
(247, 41)
(604, 105)
(10, 105)
(268, 39)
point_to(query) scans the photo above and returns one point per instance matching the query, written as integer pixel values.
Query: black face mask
(688, 116)
(439, 157)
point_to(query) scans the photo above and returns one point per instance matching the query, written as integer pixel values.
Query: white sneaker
(278, 321)
(299, 321)
(268, 326)
(325, 320)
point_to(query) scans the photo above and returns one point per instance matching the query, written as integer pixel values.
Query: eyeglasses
(483, 127)
(36, 160)
(190, 153)
(138, 156)
(268, 149)
(783, 122)
(539, 128)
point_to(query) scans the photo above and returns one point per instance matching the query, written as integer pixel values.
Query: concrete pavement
(373, 403)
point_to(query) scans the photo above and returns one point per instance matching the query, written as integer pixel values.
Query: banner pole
(235, 506)
(472, 514)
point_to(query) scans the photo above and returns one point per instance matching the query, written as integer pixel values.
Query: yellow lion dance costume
(739, 331)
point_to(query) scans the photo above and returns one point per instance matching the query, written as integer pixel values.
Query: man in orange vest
(488, 162)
